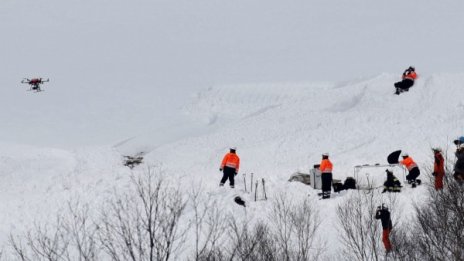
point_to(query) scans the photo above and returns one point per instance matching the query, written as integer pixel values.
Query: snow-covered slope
(278, 129)
(289, 125)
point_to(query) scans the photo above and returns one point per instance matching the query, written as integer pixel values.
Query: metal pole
(251, 182)
(264, 190)
(256, 191)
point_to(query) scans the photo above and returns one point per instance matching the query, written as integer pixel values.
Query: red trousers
(438, 182)
(386, 239)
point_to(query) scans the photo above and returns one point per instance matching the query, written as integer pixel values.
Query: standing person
(230, 165)
(326, 175)
(383, 214)
(392, 184)
(438, 168)
(412, 168)
(408, 78)
(459, 166)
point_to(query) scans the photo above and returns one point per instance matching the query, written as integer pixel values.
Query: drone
(35, 83)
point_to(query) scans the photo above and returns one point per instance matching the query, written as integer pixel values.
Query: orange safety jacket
(409, 163)
(410, 76)
(231, 160)
(326, 166)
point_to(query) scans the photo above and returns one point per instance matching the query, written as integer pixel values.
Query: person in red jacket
(326, 175)
(412, 168)
(229, 166)
(408, 78)
(438, 168)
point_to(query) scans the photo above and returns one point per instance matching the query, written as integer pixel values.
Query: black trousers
(326, 182)
(228, 173)
(413, 174)
(405, 84)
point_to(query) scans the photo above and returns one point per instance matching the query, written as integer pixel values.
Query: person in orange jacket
(326, 175)
(438, 168)
(408, 78)
(412, 168)
(229, 166)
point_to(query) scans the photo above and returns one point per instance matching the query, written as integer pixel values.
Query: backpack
(338, 186)
(350, 183)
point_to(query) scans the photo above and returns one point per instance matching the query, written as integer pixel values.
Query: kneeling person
(413, 170)
(392, 184)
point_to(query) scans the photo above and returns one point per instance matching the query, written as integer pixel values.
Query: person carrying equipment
(438, 168)
(326, 175)
(392, 184)
(408, 78)
(383, 214)
(412, 168)
(230, 165)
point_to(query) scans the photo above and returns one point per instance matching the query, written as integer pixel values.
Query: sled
(393, 158)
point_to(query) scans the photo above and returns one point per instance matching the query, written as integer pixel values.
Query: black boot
(325, 195)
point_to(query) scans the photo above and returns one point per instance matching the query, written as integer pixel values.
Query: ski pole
(256, 191)
(264, 190)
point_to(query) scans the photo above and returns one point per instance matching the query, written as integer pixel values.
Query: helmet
(326, 154)
(436, 149)
(404, 154)
(411, 68)
(458, 140)
(233, 148)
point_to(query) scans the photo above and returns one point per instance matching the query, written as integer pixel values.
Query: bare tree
(208, 223)
(143, 224)
(403, 239)
(288, 233)
(250, 243)
(360, 231)
(82, 232)
(71, 237)
(439, 227)
(43, 242)
(295, 226)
